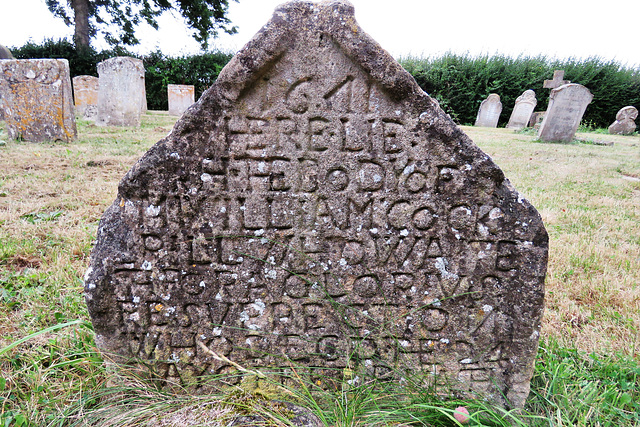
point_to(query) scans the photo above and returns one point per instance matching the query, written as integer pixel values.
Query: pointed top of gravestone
(558, 76)
(316, 209)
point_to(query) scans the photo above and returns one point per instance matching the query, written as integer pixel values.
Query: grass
(588, 368)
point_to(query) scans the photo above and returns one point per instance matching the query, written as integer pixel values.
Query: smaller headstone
(37, 100)
(181, 97)
(489, 111)
(567, 105)
(521, 113)
(121, 92)
(5, 53)
(85, 93)
(625, 121)
(558, 76)
(536, 119)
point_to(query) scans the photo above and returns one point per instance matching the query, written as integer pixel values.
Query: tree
(118, 19)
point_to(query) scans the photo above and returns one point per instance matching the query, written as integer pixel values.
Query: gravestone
(489, 111)
(567, 105)
(37, 99)
(522, 111)
(121, 92)
(316, 210)
(536, 119)
(625, 121)
(85, 91)
(181, 97)
(558, 76)
(4, 54)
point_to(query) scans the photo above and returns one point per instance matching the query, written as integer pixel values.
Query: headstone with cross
(558, 76)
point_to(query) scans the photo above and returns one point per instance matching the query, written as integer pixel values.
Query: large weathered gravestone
(37, 99)
(522, 111)
(180, 97)
(489, 111)
(121, 92)
(625, 121)
(315, 208)
(85, 94)
(567, 105)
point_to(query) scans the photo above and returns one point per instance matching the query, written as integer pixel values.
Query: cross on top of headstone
(557, 81)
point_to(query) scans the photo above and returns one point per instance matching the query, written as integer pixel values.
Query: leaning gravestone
(85, 91)
(37, 99)
(489, 111)
(316, 210)
(625, 121)
(180, 97)
(567, 104)
(121, 92)
(522, 111)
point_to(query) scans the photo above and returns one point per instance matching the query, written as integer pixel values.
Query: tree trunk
(81, 12)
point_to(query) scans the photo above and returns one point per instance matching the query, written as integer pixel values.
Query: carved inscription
(321, 224)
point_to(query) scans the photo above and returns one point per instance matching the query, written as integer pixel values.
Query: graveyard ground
(588, 372)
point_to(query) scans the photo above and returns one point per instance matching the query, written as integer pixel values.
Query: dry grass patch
(592, 214)
(53, 195)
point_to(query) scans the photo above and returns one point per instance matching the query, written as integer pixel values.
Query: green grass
(51, 374)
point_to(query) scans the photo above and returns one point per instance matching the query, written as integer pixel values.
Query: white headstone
(489, 111)
(180, 97)
(522, 110)
(121, 93)
(567, 105)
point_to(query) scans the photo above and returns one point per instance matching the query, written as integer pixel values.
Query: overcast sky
(557, 28)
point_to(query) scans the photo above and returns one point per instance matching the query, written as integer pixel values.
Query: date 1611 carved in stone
(315, 208)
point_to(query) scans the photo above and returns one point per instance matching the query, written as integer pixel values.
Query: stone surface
(522, 111)
(536, 119)
(315, 208)
(121, 92)
(37, 99)
(489, 111)
(5, 53)
(85, 94)
(567, 105)
(625, 121)
(181, 97)
(558, 76)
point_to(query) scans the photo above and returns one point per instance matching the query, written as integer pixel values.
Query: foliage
(118, 19)
(461, 82)
(199, 70)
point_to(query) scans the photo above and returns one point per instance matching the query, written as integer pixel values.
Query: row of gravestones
(567, 104)
(37, 102)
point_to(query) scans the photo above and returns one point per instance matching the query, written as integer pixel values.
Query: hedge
(458, 82)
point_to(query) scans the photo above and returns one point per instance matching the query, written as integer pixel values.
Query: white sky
(557, 28)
